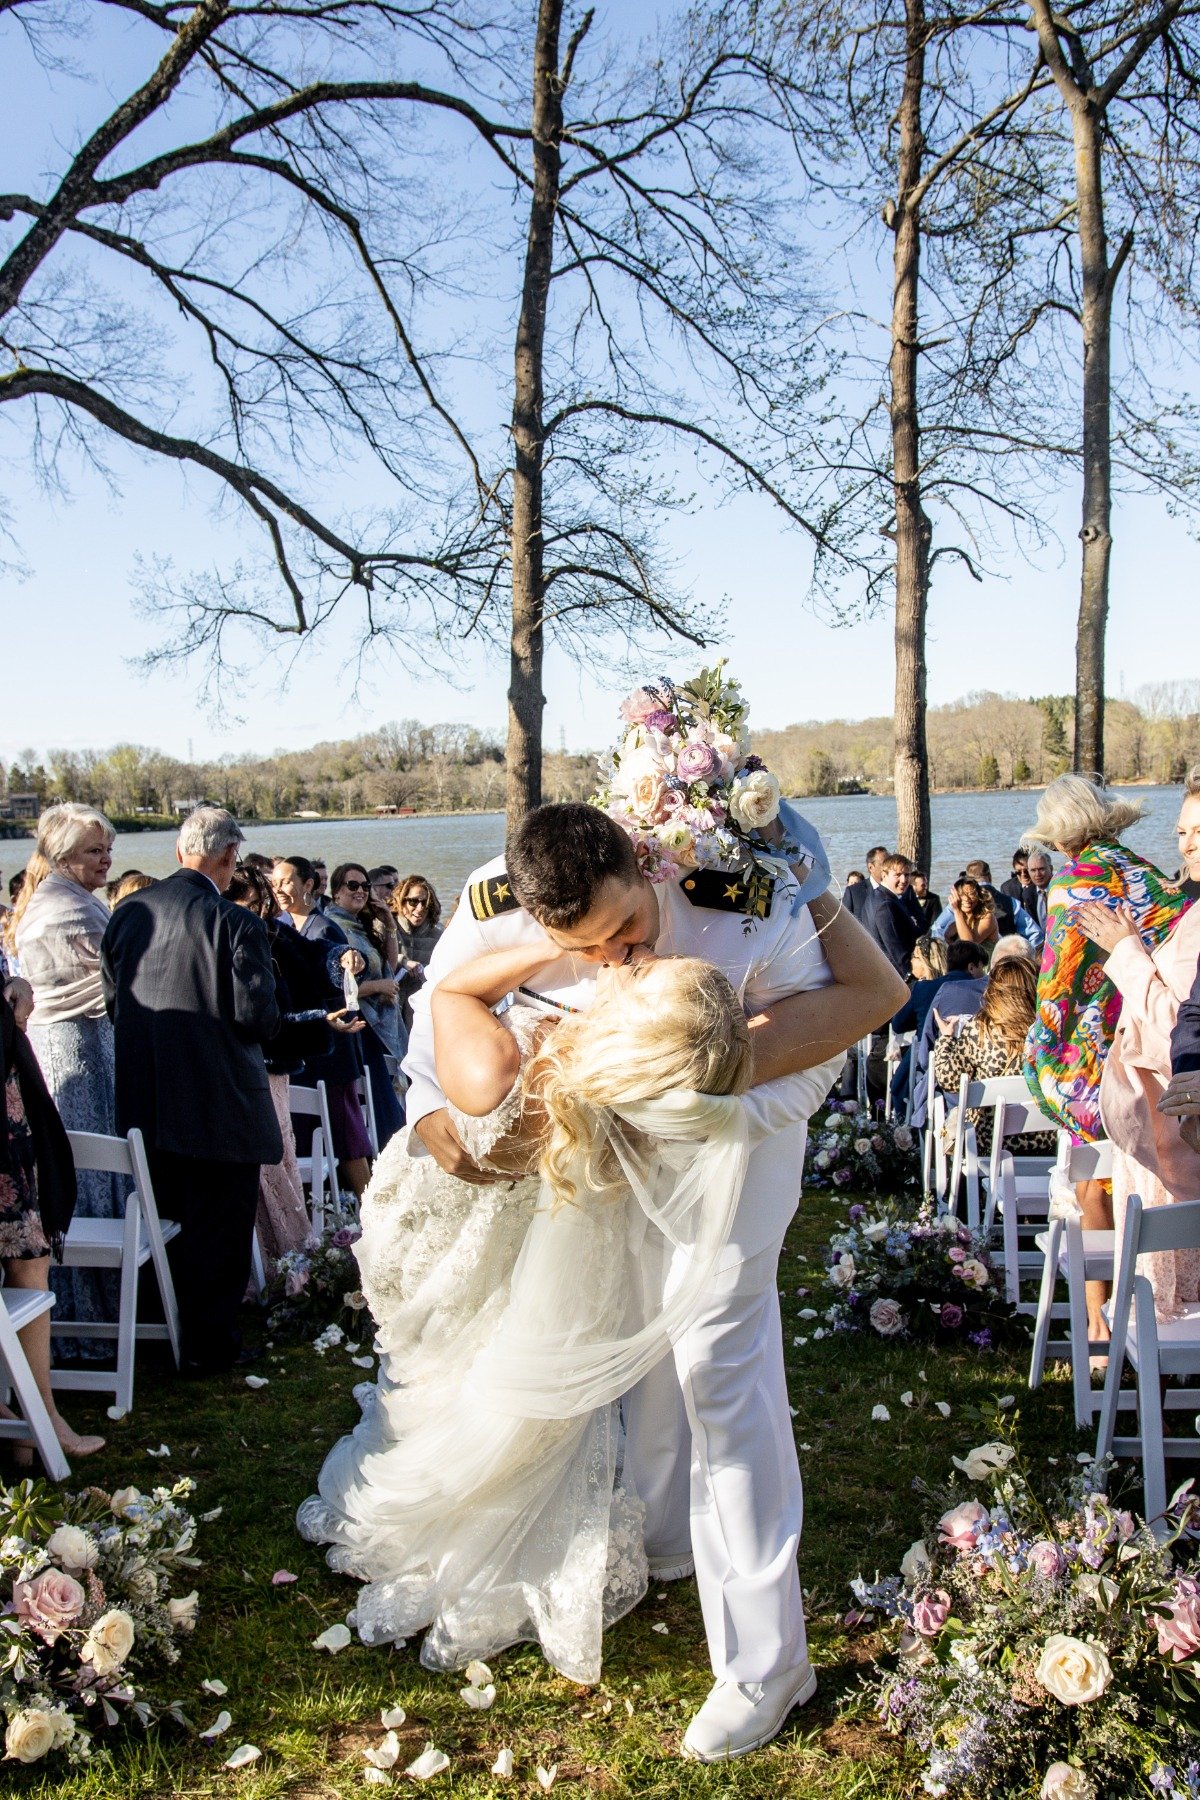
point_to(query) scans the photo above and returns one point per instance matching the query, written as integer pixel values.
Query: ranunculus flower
(842, 1273)
(1062, 1781)
(754, 800)
(639, 706)
(930, 1613)
(914, 1564)
(963, 1524)
(951, 1316)
(30, 1735)
(697, 762)
(984, 1460)
(886, 1317)
(956, 1253)
(73, 1549)
(109, 1642)
(1074, 1672)
(184, 1611)
(1179, 1631)
(1046, 1558)
(49, 1603)
(660, 720)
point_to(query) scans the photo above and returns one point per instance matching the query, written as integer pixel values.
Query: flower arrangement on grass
(1042, 1650)
(86, 1609)
(317, 1286)
(849, 1149)
(682, 781)
(925, 1276)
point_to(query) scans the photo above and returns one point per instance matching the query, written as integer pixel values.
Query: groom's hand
(445, 1146)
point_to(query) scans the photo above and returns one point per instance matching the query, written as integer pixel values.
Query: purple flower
(856, 1211)
(660, 721)
(951, 1316)
(981, 1339)
(841, 1176)
(751, 764)
(342, 1240)
(697, 762)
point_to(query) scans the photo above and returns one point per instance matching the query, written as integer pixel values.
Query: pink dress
(1150, 1157)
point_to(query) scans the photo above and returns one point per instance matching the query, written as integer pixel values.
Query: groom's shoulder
(488, 892)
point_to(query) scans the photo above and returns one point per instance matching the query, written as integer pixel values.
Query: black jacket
(894, 928)
(51, 1148)
(189, 986)
(1185, 1039)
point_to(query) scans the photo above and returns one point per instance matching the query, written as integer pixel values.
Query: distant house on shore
(187, 806)
(19, 806)
(395, 812)
(308, 813)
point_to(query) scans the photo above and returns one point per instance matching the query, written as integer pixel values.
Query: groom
(710, 1449)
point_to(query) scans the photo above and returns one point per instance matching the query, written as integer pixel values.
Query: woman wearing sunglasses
(378, 990)
(418, 914)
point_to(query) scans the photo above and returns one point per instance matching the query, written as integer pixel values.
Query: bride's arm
(478, 1059)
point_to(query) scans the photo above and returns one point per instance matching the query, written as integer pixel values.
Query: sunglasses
(411, 900)
(357, 887)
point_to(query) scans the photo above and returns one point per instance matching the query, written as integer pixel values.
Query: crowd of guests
(131, 1002)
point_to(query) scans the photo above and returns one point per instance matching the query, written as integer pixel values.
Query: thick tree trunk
(912, 526)
(525, 697)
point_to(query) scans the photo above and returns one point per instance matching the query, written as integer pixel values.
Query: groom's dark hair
(559, 857)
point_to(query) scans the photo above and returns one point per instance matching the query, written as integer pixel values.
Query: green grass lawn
(255, 1454)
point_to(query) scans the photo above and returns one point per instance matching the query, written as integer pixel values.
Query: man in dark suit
(1035, 897)
(1018, 881)
(857, 898)
(890, 922)
(189, 985)
(923, 902)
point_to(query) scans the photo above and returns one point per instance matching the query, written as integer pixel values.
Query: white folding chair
(318, 1170)
(1080, 1256)
(362, 1088)
(127, 1245)
(1153, 1348)
(20, 1307)
(1016, 1188)
(860, 1072)
(898, 1042)
(1009, 1090)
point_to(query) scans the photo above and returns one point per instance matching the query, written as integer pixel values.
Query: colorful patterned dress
(1077, 1006)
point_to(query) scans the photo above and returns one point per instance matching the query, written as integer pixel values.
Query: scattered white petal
(208, 1517)
(479, 1698)
(363, 1362)
(376, 1777)
(807, 1312)
(282, 1577)
(798, 1343)
(216, 1688)
(819, 1333)
(256, 1381)
(478, 1674)
(880, 1414)
(921, 1376)
(804, 1446)
(243, 1756)
(800, 1258)
(547, 1777)
(219, 1726)
(391, 1716)
(906, 1398)
(386, 1755)
(503, 1765)
(1005, 1401)
(430, 1762)
(795, 1411)
(629, 1707)
(115, 1413)
(333, 1640)
(163, 1450)
(1083, 1456)
(943, 1408)
(660, 1628)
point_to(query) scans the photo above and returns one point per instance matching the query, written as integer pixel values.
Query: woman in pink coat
(1150, 1156)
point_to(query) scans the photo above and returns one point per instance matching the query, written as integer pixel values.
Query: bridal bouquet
(86, 1608)
(1042, 1649)
(850, 1149)
(682, 781)
(926, 1276)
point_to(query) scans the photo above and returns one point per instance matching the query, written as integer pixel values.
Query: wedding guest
(1151, 1157)
(972, 913)
(321, 891)
(857, 897)
(190, 988)
(1036, 897)
(854, 877)
(930, 964)
(133, 882)
(418, 914)
(1010, 914)
(890, 922)
(961, 993)
(1077, 1006)
(1018, 881)
(923, 898)
(992, 1043)
(378, 991)
(37, 1200)
(1189, 840)
(60, 922)
(384, 879)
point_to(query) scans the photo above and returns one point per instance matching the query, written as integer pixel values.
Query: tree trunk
(912, 526)
(525, 697)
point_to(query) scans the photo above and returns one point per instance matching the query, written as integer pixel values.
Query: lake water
(446, 850)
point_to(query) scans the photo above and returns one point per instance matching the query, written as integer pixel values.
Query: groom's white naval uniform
(710, 1448)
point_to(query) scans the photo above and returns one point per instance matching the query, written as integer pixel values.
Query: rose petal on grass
(363, 1362)
(629, 1707)
(208, 1517)
(1005, 1401)
(880, 1415)
(387, 1754)
(906, 1398)
(943, 1408)
(392, 1716)
(478, 1673)
(334, 1639)
(547, 1777)
(219, 1726)
(660, 1627)
(115, 1413)
(242, 1757)
(430, 1762)
(163, 1450)
(503, 1765)
(376, 1777)
(216, 1688)
(256, 1381)
(282, 1577)
(478, 1698)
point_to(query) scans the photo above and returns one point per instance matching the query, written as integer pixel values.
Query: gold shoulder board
(492, 897)
(734, 891)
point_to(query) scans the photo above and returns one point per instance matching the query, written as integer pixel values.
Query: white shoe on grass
(739, 1717)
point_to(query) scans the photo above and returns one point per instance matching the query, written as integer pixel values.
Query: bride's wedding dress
(477, 1499)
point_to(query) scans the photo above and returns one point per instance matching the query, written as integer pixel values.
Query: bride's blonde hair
(678, 1026)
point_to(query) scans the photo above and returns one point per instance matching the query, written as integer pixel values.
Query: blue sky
(70, 630)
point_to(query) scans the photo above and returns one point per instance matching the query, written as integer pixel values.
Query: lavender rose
(49, 1603)
(951, 1316)
(1179, 1631)
(886, 1317)
(697, 762)
(930, 1613)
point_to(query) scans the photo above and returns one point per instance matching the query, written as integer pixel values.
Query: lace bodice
(480, 1135)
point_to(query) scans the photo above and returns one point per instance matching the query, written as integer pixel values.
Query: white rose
(842, 1273)
(109, 1642)
(914, 1564)
(184, 1611)
(878, 1229)
(141, 1583)
(754, 800)
(125, 1502)
(1062, 1782)
(72, 1549)
(1074, 1672)
(984, 1460)
(30, 1735)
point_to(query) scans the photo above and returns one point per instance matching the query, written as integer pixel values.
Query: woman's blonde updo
(675, 1025)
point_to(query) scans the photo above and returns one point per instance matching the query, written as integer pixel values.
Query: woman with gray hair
(58, 948)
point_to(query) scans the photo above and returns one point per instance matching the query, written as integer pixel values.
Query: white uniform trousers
(711, 1454)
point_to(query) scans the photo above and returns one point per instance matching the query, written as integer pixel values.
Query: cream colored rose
(125, 1501)
(30, 1735)
(1074, 1672)
(184, 1611)
(72, 1549)
(109, 1642)
(843, 1272)
(1062, 1782)
(140, 1581)
(984, 1460)
(754, 800)
(914, 1564)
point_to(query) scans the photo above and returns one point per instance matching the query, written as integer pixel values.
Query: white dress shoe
(739, 1717)
(671, 1568)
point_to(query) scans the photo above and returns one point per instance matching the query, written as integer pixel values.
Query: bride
(478, 1499)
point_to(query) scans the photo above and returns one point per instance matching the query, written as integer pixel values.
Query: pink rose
(957, 1254)
(1179, 1632)
(930, 1613)
(49, 1603)
(1046, 1559)
(640, 706)
(647, 795)
(697, 762)
(886, 1317)
(963, 1524)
